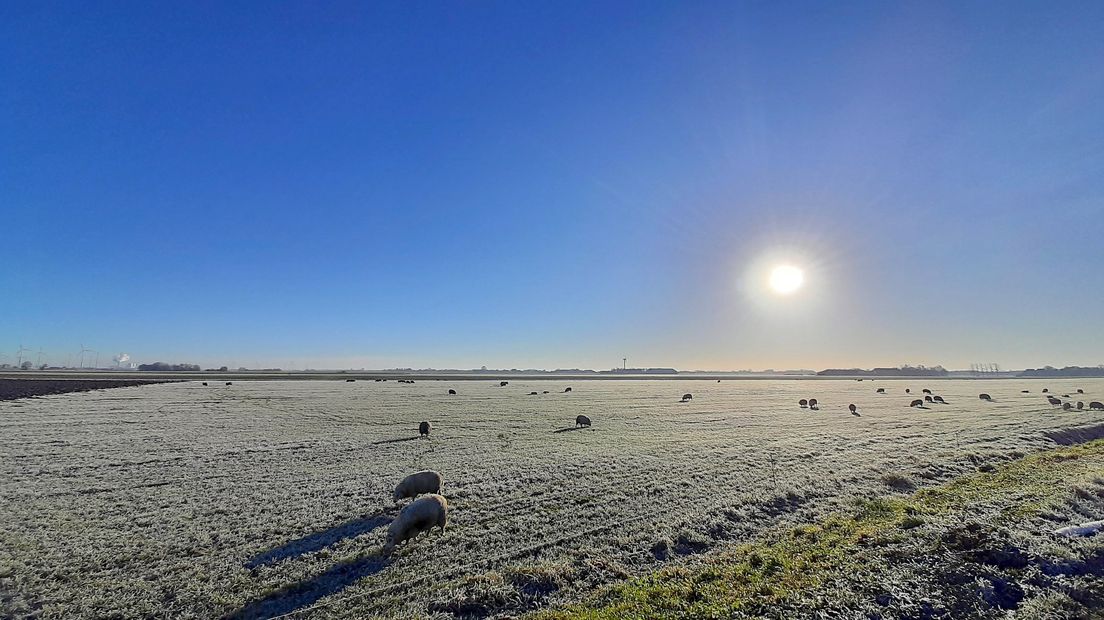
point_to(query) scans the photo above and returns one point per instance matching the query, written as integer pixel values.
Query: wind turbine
(19, 354)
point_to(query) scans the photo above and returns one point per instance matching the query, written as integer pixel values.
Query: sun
(786, 279)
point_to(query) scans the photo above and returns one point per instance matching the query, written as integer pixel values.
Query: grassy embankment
(964, 533)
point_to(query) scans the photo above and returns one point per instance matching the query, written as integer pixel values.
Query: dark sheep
(984, 396)
(424, 428)
(503, 383)
(1053, 401)
(1066, 406)
(1065, 395)
(452, 392)
(929, 399)
(687, 396)
(566, 390)
(1096, 404)
(880, 391)
(908, 391)
(544, 392)
(804, 403)
(853, 409)
(350, 381)
(204, 384)
(927, 391)
(1045, 390)
(532, 393)
(813, 404)
(581, 420)
(1080, 391)
(229, 383)
(939, 399)
(1080, 405)
(1025, 391)
(916, 403)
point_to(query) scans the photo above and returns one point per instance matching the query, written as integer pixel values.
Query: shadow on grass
(401, 439)
(307, 592)
(320, 540)
(571, 428)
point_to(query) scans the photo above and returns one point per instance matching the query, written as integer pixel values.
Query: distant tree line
(1068, 371)
(162, 367)
(902, 371)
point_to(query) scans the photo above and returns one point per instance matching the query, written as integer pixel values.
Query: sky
(554, 184)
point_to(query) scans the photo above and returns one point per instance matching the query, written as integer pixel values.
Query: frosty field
(272, 497)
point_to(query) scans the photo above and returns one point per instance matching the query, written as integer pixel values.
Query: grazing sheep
(853, 409)
(984, 396)
(804, 403)
(1045, 390)
(1053, 401)
(813, 404)
(566, 390)
(929, 399)
(424, 428)
(916, 403)
(1065, 395)
(908, 391)
(1080, 405)
(452, 392)
(1080, 391)
(1066, 406)
(350, 381)
(581, 420)
(880, 391)
(229, 383)
(422, 515)
(1025, 391)
(503, 383)
(939, 399)
(1096, 404)
(532, 393)
(544, 392)
(419, 483)
(687, 396)
(204, 384)
(926, 391)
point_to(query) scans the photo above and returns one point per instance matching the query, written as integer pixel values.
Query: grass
(758, 576)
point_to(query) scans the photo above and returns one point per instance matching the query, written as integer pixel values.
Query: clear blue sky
(553, 184)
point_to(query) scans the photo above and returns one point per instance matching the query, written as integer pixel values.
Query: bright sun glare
(786, 279)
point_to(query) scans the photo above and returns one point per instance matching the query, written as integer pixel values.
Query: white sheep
(420, 516)
(418, 483)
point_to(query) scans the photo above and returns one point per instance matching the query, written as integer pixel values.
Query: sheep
(350, 381)
(916, 403)
(984, 396)
(544, 392)
(939, 399)
(204, 384)
(926, 391)
(1080, 405)
(1096, 404)
(1025, 391)
(1045, 390)
(1080, 391)
(1065, 395)
(804, 403)
(422, 515)
(581, 420)
(424, 428)
(452, 392)
(879, 391)
(853, 409)
(503, 383)
(687, 396)
(418, 483)
(908, 391)
(929, 399)
(566, 390)
(229, 383)
(813, 404)
(532, 393)
(1066, 406)
(1053, 401)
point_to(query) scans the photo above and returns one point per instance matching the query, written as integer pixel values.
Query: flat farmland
(268, 498)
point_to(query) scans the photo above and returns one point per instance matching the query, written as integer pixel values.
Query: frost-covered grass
(788, 573)
(272, 497)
